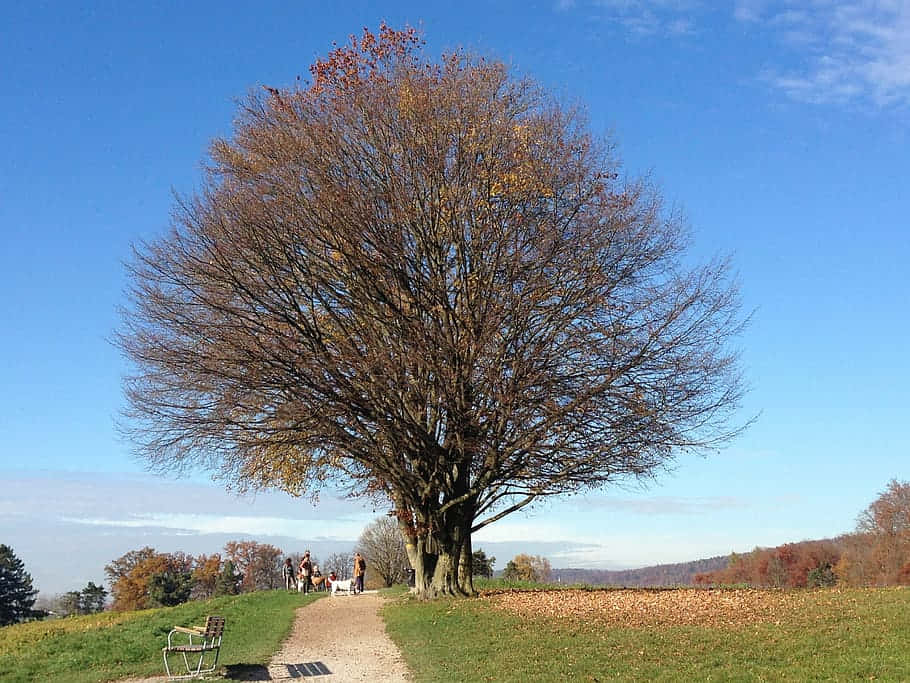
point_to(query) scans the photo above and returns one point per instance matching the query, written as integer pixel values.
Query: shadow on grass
(257, 672)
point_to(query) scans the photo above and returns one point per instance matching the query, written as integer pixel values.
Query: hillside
(681, 574)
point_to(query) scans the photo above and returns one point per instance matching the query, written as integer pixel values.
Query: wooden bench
(208, 640)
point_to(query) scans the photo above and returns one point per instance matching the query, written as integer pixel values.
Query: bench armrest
(192, 630)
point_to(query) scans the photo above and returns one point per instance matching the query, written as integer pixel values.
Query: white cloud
(86, 495)
(843, 52)
(644, 19)
(853, 51)
(508, 531)
(681, 26)
(668, 505)
(748, 10)
(632, 552)
(189, 523)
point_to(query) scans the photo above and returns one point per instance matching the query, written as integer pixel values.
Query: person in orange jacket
(360, 568)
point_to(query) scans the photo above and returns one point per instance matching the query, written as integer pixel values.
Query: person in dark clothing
(288, 572)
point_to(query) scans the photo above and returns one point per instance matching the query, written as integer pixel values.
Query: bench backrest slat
(214, 627)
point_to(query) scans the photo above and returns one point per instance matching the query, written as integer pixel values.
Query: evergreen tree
(170, 588)
(16, 593)
(93, 598)
(228, 581)
(483, 565)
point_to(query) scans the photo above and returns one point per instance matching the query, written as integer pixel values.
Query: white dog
(347, 585)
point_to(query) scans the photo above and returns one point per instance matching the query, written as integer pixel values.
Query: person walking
(360, 568)
(306, 571)
(288, 572)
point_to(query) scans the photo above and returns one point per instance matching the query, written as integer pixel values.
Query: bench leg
(192, 672)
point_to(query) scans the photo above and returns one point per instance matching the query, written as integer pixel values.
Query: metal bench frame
(208, 640)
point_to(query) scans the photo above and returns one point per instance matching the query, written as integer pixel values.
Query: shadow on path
(279, 672)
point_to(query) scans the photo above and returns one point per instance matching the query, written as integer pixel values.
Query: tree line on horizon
(659, 575)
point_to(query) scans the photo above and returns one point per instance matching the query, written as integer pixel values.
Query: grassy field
(111, 645)
(658, 635)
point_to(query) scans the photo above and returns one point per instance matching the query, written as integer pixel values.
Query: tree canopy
(426, 281)
(146, 578)
(524, 567)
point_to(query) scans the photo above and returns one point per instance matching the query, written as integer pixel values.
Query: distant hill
(681, 574)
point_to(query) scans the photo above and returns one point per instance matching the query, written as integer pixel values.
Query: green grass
(837, 636)
(111, 645)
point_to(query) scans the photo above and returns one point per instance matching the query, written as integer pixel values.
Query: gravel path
(339, 638)
(334, 640)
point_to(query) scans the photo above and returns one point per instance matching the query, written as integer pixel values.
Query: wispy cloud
(849, 51)
(844, 52)
(163, 507)
(94, 496)
(668, 505)
(643, 19)
(190, 523)
(748, 10)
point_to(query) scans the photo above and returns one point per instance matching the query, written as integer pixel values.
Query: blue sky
(781, 129)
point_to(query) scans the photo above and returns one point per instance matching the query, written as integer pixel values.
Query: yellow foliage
(407, 100)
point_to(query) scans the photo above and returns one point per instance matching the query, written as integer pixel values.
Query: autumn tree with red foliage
(785, 566)
(878, 553)
(425, 281)
(259, 563)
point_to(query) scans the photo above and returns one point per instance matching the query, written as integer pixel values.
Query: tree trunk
(438, 561)
(466, 567)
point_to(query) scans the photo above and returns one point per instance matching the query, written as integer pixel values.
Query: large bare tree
(382, 545)
(426, 281)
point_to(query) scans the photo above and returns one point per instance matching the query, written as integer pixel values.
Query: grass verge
(112, 645)
(806, 636)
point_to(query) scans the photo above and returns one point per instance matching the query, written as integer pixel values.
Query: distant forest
(877, 553)
(680, 574)
(860, 559)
